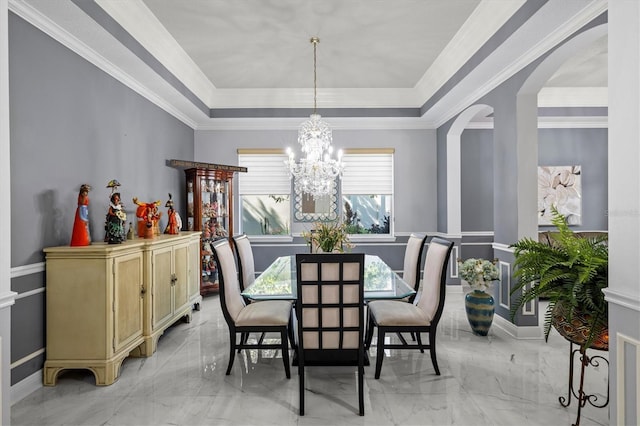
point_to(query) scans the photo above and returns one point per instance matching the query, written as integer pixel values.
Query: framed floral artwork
(560, 186)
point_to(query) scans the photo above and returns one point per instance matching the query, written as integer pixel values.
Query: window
(367, 191)
(264, 193)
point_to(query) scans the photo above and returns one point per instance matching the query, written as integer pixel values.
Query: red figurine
(80, 235)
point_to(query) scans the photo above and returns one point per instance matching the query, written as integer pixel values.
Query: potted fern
(570, 271)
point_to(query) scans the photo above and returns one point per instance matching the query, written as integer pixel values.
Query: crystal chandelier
(316, 173)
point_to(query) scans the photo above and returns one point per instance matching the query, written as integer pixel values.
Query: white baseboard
(531, 332)
(454, 289)
(26, 386)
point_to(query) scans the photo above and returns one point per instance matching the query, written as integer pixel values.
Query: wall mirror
(323, 209)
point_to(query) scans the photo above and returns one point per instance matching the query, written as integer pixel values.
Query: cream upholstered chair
(413, 261)
(244, 257)
(330, 312)
(246, 268)
(264, 317)
(412, 267)
(422, 316)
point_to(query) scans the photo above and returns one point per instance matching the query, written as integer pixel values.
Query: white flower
(479, 273)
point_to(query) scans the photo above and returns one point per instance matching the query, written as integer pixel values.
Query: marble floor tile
(492, 380)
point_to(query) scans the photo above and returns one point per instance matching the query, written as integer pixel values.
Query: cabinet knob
(174, 278)
(142, 291)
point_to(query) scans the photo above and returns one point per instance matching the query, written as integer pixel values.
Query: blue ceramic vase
(480, 309)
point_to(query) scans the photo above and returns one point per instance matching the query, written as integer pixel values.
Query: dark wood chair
(422, 316)
(242, 319)
(330, 312)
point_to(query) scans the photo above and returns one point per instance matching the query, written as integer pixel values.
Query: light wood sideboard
(105, 302)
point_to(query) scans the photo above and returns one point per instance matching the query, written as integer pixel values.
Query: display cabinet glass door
(209, 210)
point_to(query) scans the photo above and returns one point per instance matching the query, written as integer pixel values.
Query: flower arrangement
(328, 237)
(479, 273)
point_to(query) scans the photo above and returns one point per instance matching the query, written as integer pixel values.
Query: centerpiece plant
(570, 271)
(328, 237)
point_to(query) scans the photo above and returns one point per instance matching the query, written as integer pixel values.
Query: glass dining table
(278, 281)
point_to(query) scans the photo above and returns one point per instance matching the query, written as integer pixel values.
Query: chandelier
(316, 173)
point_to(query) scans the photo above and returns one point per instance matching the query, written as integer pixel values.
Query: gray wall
(587, 148)
(71, 123)
(476, 180)
(415, 206)
(556, 147)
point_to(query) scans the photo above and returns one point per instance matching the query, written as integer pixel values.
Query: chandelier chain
(315, 42)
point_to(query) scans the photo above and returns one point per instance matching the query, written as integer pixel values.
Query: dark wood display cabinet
(210, 210)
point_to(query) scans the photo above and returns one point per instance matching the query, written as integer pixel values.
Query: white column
(6, 295)
(623, 293)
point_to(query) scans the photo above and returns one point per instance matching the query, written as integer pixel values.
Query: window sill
(372, 238)
(270, 238)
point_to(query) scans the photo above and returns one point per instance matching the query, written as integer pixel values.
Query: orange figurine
(148, 217)
(80, 235)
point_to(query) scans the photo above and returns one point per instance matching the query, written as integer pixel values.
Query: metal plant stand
(580, 395)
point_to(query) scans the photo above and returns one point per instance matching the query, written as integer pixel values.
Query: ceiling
(252, 58)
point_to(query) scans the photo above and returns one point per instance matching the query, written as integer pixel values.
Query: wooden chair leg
(432, 350)
(367, 341)
(301, 390)
(401, 338)
(232, 350)
(379, 352)
(285, 352)
(419, 342)
(244, 337)
(361, 388)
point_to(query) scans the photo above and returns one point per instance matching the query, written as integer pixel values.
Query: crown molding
(70, 41)
(571, 122)
(136, 18)
(577, 21)
(341, 123)
(487, 18)
(573, 97)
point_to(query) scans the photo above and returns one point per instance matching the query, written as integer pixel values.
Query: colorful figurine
(148, 217)
(116, 217)
(80, 235)
(174, 222)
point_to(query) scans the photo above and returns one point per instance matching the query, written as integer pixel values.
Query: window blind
(266, 174)
(366, 174)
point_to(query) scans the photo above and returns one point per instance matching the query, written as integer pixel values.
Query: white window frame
(266, 175)
(371, 172)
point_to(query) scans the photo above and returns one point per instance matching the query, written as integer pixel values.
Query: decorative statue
(148, 217)
(116, 217)
(174, 222)
(80, 235)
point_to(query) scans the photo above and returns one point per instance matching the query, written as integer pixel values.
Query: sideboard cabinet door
(94, 308)
(169, 265)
